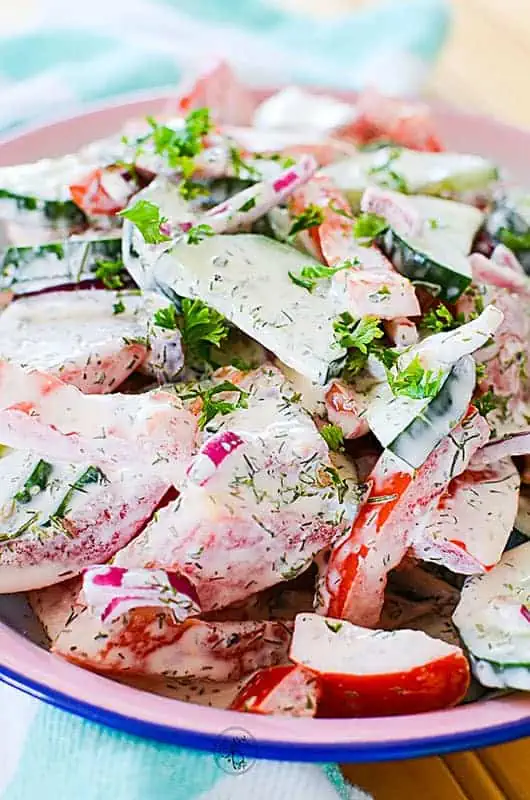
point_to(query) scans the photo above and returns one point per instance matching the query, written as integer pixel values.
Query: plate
(27, 666)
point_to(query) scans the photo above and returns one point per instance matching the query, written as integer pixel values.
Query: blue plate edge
(285, 751)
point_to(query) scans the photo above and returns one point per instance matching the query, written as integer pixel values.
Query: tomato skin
(430, 687)
(402, 123)
(91, 196)
(268, 690)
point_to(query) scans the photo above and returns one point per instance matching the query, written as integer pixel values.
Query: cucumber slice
(493, 621)
(428, 261)
(439, 174)
(39, 191)
(138, 256)
(411, 429)
(449, 221)
(32, 269)
(246, 278)
(509, 223)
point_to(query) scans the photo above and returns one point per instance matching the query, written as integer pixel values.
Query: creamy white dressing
(489, 616)
(428, 173)
(59, 331)
(332, 646)
(246, 278)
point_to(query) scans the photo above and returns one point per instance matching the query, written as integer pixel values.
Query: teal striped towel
(72, 53)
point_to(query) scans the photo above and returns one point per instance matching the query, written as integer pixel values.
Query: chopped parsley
(213, 405)
(333, 436)
(148, 219)
(515, 241)
(368, 227)
(110, 273)
(441, 319)
(239, 165)
(310, 217)
(308, 276)
(37, 482)
(414, 381)
(361, 338)
(487, 403)
(357, 333)
(166, 318)
(199, 232)
(201, 327)
(118, 307)
(387, 176)
(248, 205)
(334, 627)
(332, 478)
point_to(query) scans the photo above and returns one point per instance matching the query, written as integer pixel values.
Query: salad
(265, 406)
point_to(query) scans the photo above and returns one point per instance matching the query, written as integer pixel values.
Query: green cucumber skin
(419, 268)
(52, 210)
(440, 406)
(14, 260)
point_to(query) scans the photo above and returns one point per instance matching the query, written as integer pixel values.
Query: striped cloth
(62, 59)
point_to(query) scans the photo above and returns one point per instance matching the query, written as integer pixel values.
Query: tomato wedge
(378, 673)
(285, 690)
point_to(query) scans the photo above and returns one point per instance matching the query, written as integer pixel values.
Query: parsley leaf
(360, 337)
(118, 307)
(147, 218)
(515, 241)
(310, 217)
(487, 402)
(368, 227)
(239, 165)
(110, 273)
(333, 436)
(248, 204)
(212, 405)
(415, 381)
(358, 333)
(440, 319)
(308, 276)
(334, 626)
(200, 328)
(199, 232)
(386, 176)
(166, 318)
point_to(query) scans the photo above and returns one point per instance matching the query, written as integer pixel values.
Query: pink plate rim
(34, 670)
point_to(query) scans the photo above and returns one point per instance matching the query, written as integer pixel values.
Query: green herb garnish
(416, 382)
(199, 232)
(91, 475)
(166, 318)
(357, 333)
(239, 165)
(308, 276)
(515, 241)
(148, 219)
(333, 436)
(37, 482)
(248, 204)
(368, 227)
(386, 176)
(310, 217)
(110, 273)
(334, 627)
(441, 319)
(212, 405)
(200, 328)
(487, 403)
(118, 307)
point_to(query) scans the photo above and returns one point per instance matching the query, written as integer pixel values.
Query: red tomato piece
(284, 690)
(403, 123)
(378, 673)
(93, 197)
